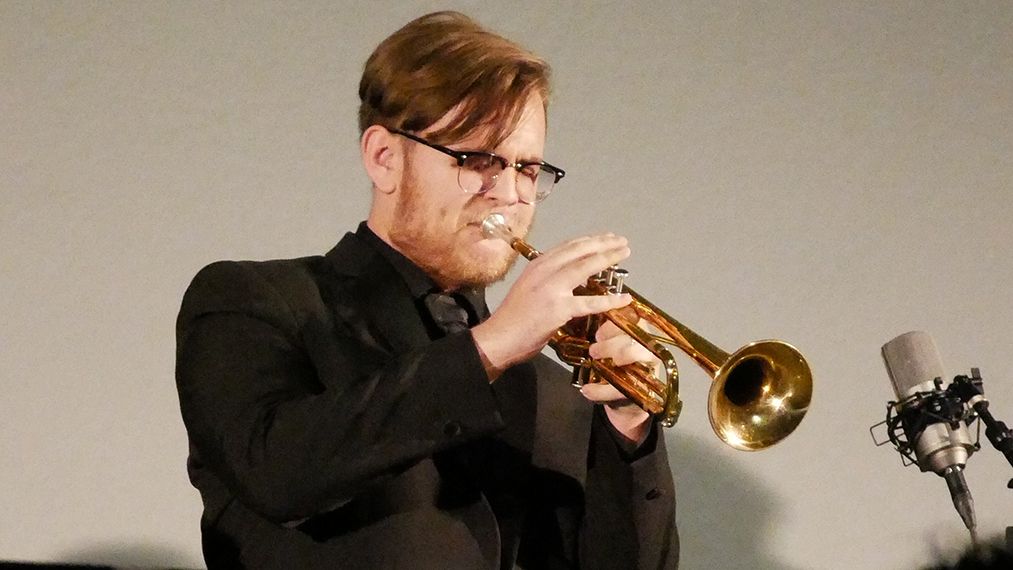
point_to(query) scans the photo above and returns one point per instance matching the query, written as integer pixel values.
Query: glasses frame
(462, 155)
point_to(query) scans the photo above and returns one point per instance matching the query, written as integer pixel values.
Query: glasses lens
(545, 183)
(479, 172)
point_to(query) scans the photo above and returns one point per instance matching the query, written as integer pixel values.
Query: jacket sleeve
(596, 504)
(629, 517)
(294, 430)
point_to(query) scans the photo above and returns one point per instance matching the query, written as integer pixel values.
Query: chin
(486, 263)
(492, 258)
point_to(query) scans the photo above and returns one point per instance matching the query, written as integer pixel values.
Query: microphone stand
(969, 389)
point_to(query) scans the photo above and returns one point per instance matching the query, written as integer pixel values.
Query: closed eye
(530, 170)
(481, 162)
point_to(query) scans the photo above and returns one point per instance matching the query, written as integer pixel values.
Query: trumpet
(759, 393)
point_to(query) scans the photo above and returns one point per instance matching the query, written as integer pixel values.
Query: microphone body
(941, 444)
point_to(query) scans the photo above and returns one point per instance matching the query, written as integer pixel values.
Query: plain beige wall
(833, 174)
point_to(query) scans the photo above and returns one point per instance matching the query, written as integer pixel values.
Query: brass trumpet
(759, 394)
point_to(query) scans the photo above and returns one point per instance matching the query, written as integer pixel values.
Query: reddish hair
(443, 61)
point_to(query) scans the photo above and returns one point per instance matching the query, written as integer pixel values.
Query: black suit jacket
(327, 430)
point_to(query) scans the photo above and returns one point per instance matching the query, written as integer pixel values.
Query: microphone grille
(912, 361)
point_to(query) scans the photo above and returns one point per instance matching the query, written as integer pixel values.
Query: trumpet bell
(759, 395)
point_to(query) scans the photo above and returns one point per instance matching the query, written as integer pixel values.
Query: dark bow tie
(447, 312)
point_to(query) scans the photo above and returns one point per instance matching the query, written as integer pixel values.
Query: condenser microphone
(932, 420)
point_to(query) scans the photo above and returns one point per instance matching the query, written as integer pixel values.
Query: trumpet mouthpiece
(494, 226)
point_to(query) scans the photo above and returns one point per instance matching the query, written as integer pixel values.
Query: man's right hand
(542, 300)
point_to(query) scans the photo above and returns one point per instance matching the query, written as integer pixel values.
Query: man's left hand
(627, 418)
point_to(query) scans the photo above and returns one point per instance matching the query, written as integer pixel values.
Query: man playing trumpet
(364, 409)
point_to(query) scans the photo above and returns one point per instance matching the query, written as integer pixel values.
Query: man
(363, 409)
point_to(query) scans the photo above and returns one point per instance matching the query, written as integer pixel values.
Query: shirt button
(652, 494)
(451, 429)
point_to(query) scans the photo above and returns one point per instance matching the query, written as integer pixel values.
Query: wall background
(833, 175)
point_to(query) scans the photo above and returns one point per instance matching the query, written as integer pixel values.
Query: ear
(381, 157)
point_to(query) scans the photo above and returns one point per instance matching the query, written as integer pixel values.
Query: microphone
(932, 417)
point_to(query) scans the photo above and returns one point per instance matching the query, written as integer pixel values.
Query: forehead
(526, 140)
(528, 123)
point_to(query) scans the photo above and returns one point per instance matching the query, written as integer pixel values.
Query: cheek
(524, 220)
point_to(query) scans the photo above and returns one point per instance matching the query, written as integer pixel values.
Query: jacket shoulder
(280, 291)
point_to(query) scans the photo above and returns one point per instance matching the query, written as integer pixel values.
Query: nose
(506, 189)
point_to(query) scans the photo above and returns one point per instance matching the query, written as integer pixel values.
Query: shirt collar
(419, 283)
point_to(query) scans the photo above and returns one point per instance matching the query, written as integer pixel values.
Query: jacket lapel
(377, 298)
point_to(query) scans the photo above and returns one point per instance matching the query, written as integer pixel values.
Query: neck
(379, 224)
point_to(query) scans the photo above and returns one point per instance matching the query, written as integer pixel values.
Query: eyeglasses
(478, 172)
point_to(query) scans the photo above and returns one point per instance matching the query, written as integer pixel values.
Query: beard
(444, 249)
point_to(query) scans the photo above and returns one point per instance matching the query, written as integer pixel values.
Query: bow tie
(448, 314)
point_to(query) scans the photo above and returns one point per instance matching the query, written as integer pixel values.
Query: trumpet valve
(617, 280)
(610, 281)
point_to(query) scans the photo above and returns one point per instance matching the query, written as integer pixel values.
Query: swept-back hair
(446, 61)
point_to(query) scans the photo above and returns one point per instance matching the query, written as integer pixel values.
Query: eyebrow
(530, 160)
(519, 160)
